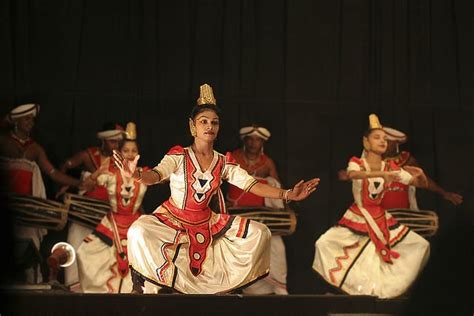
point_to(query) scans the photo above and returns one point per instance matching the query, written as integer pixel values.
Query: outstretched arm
(452, 197)
(49, 169)
(299, 192)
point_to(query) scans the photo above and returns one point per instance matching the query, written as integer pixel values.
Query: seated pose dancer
(369, 252)
(102, 256)
(184, 245)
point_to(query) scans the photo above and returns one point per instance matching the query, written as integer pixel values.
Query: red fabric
(99, 192)
(20, 181)
(239, 197)
(176, 150)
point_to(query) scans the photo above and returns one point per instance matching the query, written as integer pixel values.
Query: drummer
(400, 195)
(24, 159)
(252, 158)
(90, 161)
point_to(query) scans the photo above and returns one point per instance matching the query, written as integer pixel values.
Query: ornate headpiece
(256, 130)
(374, 122)
(131, 131)
(24, 110)
(395, 135)
(111, 131)
(206, 96)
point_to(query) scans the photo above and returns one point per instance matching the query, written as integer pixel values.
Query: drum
(280, 221)
(85, 210)
(424, 223)
(38, 212)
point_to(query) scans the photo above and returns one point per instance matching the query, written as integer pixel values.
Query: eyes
(206, 121)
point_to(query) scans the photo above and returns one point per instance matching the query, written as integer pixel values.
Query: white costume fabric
(275, 282)
(99, 268)
(184, 245)
(369, 252)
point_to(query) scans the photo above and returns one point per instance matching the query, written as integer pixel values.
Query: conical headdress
(206, 96)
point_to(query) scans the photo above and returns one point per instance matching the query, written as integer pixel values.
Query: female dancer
(102, 256)
(184, 245)
(369, 252)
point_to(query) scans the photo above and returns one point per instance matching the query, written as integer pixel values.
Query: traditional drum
(280, 221)
(38, 212)
(85, 210)
(424, 223)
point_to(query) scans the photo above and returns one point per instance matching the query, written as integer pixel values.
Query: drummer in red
(24, 160)
(90, 161)
(252, 159)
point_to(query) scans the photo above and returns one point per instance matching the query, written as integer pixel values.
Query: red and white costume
(399, 195)
(77, 232)
(369, 252)
(102, 261)
(275, 282)
(185, 245)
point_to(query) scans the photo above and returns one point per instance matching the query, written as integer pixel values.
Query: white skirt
(160, 254)
(98, 273)
(350, 262)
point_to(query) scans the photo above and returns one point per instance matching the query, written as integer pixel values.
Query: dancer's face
(253, 144)
(129, 150)
(207, 125)
(377, 141)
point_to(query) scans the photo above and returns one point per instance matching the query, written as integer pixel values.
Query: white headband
(24, 110)
(113, 134)
(395, 135)
(258, 131)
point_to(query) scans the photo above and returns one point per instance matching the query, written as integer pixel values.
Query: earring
(192, 128)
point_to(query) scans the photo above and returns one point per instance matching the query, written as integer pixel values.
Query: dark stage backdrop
(311, 71)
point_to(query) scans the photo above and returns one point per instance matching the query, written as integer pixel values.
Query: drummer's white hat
(24, 110)
(395, 135)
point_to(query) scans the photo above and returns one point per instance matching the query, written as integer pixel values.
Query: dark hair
(122, 143)
(369, 131)
(205, 107)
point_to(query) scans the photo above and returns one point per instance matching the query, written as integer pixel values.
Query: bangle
(286, 195)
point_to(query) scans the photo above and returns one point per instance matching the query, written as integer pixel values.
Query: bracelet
(286, 195)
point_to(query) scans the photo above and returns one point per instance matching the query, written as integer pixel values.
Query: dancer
(184, 245)
(369, 252)
(102, 257)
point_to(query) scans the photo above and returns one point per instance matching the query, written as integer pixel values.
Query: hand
(88, 184)
(391, 176)
(342, 175)
(61, 191)
(452, 197)
(126, 167)
(420, 180)
(303, 189)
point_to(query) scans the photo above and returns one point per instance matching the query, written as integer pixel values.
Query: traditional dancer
(102, 257)
(252, 159)
(369, 252)
(398, 194)
(90, 161)
(24, 159)
(184, 245)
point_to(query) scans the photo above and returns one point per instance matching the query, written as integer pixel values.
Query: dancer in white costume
(184, 245)
(90, 161)
(369, 252)
(252, 158)
(102, 256)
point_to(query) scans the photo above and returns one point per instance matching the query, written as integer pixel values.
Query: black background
(310, 71)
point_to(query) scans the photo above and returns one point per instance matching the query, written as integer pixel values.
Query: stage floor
(63, 303)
